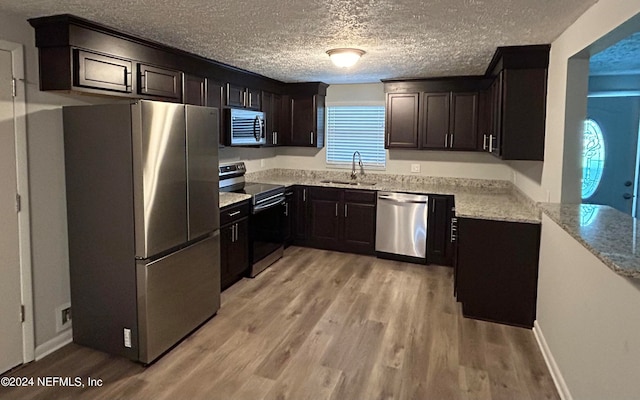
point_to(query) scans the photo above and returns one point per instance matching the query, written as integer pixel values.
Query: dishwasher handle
(397, 200)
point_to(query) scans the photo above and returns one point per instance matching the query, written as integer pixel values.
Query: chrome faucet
(353, 165)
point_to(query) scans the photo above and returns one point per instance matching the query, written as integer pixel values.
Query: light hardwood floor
(322, 325)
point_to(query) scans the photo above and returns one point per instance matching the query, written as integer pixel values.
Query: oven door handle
(279, 199)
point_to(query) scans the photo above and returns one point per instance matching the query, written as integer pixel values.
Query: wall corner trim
(54, 344)
(558, 379)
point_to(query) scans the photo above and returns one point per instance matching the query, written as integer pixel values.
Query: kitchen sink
(351, 183)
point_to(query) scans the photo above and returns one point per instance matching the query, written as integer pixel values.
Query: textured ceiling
(623, 58)
(287, 39)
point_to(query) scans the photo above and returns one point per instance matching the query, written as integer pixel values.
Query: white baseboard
(54, 344)
(558, 379)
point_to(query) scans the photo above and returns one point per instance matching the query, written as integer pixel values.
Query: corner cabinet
(440, 231)
(305, 113)
(515, 103)
(496, 270)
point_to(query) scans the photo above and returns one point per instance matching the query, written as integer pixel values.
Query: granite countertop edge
(605, 257)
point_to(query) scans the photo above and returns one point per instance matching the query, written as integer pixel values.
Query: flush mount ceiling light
(345, 58)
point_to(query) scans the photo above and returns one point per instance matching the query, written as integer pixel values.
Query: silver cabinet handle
(446, 139)
(233, 233)
(275, 137)
(237, 229)
(484, 141)
(304, 194)
(336, 209)
(491, 143)
(451, 141)
(345, 211)
(454, 229)
(233, 214)
(249, 103)
(286, 209)
(311, 135)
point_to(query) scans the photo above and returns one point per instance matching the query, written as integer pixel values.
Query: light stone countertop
(227, 199)
(474, 198)
(609, 234)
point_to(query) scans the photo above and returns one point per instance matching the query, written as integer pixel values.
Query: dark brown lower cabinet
(234, 244)
(439, 243)
(342, 219)
(300, 215)
(496, 270)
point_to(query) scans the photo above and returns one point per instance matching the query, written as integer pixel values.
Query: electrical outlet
(63, 317)
(415, 168)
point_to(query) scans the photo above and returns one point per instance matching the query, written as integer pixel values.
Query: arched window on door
(593, 156)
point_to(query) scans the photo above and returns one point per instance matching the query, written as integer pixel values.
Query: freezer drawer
(176, 294)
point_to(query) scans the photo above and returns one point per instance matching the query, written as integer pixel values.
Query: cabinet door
(215, 98)
(464, 121)
(324, 217)
(303, 121)
(98, 71)
(484, 119)
(254, 99)
(439, 245)
(239, 250)
(271, 108)
(289, 210)
(435, 120)
(159, 82)
(496, 116)
(497, 270)
(359, 228)
(300, 215)
(402, 121)
(195, 90)
(235, 96)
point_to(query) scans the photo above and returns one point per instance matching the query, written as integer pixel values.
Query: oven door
(267, 235)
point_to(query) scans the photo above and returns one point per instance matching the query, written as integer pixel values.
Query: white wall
(50, 259)
(588, 316)
(432, 163)
(559, 178)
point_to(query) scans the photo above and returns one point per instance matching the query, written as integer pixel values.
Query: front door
(10, 292)
(617, 118)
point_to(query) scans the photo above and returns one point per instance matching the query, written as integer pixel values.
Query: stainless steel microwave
(246, 127)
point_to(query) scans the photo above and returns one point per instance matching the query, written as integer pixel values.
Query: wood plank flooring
(322, 325)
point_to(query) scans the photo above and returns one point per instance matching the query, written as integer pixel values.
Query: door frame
(22, 178)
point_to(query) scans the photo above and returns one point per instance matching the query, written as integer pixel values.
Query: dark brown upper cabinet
(305, 115)
(82, 56)
(272, 108)
(515, 126)
(98, 71)
(240, 96)
(195, 90)
(402, 121)
(433, 114)
(159, 82)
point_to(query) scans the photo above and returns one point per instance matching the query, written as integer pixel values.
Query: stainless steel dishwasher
(401, 226)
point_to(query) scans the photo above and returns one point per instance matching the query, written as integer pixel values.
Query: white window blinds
(355, 128)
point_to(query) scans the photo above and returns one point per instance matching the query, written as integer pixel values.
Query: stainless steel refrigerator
(143, 224)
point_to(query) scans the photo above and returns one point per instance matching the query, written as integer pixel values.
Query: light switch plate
(415, 168)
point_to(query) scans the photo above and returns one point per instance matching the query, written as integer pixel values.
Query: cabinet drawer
(234, 212)
(331, 194)
(360, 196)
(102, 72)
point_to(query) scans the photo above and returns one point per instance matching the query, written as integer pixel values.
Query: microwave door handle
(262, 128)
(256, 134)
